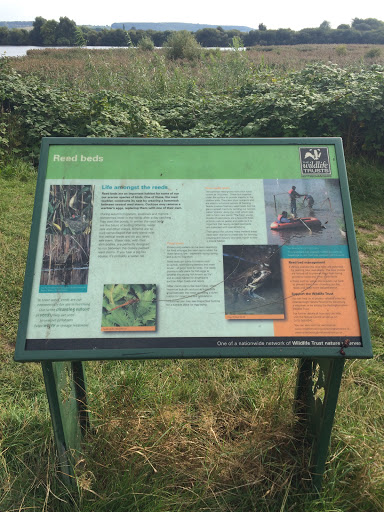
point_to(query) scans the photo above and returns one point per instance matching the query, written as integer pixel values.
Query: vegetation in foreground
(126, 93)
(188, 435)
(215, 435)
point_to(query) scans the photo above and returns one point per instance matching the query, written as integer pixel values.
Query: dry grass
(298, 56)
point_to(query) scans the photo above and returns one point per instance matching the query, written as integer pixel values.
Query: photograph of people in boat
(304, 212)
(253, 281)
(67, 240)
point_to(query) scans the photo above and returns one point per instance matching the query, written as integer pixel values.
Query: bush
(31, 110)
(341, 50)
(320, 100)
(182, 45)
(146, 44)
(15, 168)
(373, 53)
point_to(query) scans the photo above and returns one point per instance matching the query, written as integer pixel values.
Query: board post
(66, 393)
(316, 395)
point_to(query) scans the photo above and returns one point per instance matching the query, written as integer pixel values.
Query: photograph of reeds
(70, 210)
(67, 235)
(129, 307)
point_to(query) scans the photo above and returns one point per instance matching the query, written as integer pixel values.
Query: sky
(294, 14)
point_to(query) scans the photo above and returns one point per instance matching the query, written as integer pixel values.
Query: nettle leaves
(235, 99)
(129, 305)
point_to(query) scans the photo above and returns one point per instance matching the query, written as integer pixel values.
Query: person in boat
(283, 218)
(309, 199)
(293, 196)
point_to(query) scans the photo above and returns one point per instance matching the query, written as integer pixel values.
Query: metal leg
(65, 386)
(81, 395)
(317, 390)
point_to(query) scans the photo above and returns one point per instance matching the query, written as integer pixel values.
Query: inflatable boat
(303, 222)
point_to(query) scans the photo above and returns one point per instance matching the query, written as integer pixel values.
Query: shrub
(372, 53)
(16, 168)
(34, 110)
(341, 50)
(182, 45)
(146, 44)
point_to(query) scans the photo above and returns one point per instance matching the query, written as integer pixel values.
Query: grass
(191, 435)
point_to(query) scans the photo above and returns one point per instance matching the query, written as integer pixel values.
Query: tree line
(65, 32)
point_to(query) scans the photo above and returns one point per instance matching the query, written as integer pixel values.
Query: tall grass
(149, 74)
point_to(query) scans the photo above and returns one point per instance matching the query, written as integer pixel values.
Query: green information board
(167, 248)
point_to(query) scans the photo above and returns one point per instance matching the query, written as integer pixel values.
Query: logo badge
(315, 162)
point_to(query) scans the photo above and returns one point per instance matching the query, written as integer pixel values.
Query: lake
(21, 51)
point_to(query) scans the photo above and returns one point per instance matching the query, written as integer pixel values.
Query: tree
(80, 39)
(367, 24)
(114, 37)
(48, 32)
(66, 32)
(262, 26)
(92, 37)
(35, 34)
(4, 35)
(18, 37)
(325, 25)
(252, 38)
(210, 37)
(121, 37)
(284, 36)
(159, 37)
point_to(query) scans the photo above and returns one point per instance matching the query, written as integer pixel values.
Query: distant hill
(16, 24)
(161, 27)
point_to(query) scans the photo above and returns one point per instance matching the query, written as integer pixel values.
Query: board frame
(183, 351)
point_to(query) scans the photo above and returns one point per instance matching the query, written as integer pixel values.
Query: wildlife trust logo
(315, 162)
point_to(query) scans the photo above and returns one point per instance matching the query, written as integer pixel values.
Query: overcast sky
(294, 14)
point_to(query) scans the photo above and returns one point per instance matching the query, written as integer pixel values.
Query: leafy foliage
(129, 305)
(372, 53)
(32, 109)
(182, 45)
(146, 44)
(66, 33)
(235, 99)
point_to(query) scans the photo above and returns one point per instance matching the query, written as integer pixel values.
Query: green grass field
(191, 435)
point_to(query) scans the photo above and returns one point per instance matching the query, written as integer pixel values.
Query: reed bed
(141, 73)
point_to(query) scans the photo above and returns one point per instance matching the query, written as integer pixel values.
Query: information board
(154, 248)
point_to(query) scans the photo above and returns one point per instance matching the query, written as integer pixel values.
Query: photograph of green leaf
(129, 307)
